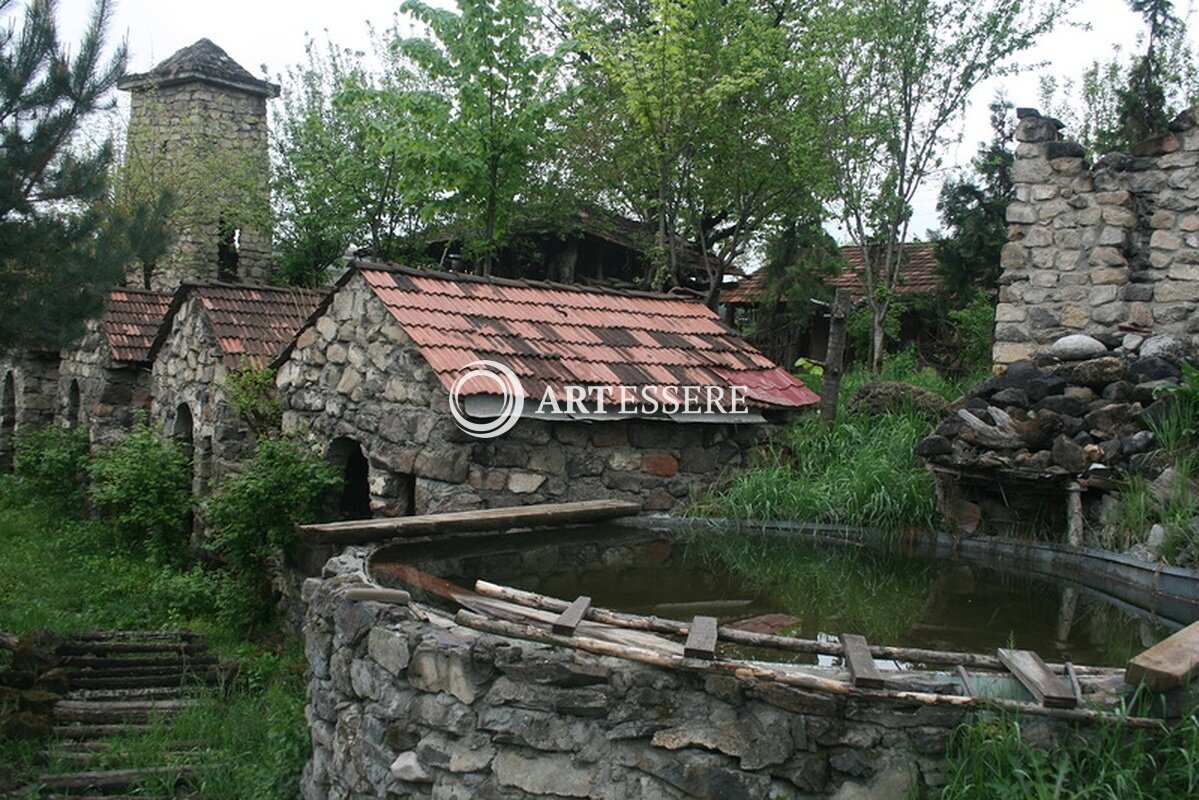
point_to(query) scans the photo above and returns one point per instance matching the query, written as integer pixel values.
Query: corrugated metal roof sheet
(553, 336)
(131, 320)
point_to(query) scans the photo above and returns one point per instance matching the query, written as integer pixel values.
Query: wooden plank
(1075, 686)
(860, 663)
(569, 619)
(967, 684)
(701, 639)
(1169, 664)
(544, 515)
(1048, 689)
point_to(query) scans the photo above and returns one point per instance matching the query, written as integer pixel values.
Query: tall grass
(992, 758)
(861, 471)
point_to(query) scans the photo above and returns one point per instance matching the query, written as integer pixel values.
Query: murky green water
(889, 598)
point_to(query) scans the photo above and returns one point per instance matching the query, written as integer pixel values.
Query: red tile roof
(918, 275)
(252, 324)
(553, 336)
(131, 321)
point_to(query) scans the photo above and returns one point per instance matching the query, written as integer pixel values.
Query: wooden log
(860, 663)
(103, 636)
(990, 435)
(1075, 686)
(111, 712)
(764, 640)
(1169, 664)
(1030, 670)
(701, 639)
(748, 672)
(569, 619)
(9, 642)
(110, 780)
(545, 515)
(115, 665)
(967, 684)
(81, 732)
(378, 595)
(88, 648)
(1075, 524)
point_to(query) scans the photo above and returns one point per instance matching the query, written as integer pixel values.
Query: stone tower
(198, 126)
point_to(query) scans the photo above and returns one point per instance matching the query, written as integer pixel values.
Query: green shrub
(252, 393)
(254, 514)
(974, 325)
(51, 467)
(142, 484)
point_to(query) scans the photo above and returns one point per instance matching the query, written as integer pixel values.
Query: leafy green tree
(974, 209)
(55, 258)
(354, 165)
(498, 85)
(908, 68)
(704, 116)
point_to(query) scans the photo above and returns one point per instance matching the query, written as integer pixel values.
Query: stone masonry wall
(1099, 250)
(204, 136)
(33, 399)
(355, 374)
(109, 391)
(188, 370)
(404, 703)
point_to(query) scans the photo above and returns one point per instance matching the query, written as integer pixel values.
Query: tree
(1142, 103)
(974, 210)
(909, 67)
(56, 258)
(499, 91)
(353, 161)
(705, 113)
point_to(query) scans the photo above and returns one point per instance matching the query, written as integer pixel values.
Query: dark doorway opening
(8, 422)
(73, 405)
(354, 500)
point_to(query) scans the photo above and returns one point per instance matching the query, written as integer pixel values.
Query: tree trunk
(878, 315)
(834, 359)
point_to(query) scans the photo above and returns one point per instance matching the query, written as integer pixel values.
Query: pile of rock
(1083, 409)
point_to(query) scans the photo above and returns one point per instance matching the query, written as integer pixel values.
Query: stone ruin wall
(355, 374)
(190, 129)
(402, 702)
(33, 401)
(110, 392)
(188, 370)
(1104, 249)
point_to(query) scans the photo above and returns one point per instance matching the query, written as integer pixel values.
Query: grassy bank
(861, 471)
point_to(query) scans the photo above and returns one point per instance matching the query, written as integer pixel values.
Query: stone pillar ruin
(1106, 250)
(198, 125)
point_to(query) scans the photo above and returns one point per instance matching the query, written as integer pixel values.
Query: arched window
(72, 413)
(354, 501)
(184, 430)
(8, 422)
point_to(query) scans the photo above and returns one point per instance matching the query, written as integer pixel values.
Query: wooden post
(834, 359)
(1074, 515)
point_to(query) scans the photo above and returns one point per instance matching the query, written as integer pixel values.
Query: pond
(809, 589)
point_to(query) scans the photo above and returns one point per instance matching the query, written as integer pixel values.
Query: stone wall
(356, 375)
(28, 397)
(404, 703)
(188, 370)
(1099, 249)
(213, 142)
(108, 392)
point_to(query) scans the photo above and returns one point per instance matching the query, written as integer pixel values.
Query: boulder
(1069, 455)
(933, 445)
(1011, 397)
(1077, 347)
(1172, 348)
(1153, 368)
(1095, 373)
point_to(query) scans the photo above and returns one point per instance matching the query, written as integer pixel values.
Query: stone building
(369, 378)
(198, 125)
(28, 388)
(106, 377)
(209, 331)
(1105, 250)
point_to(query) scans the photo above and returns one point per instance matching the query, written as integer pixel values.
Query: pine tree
(1142, 104)
(56, 255)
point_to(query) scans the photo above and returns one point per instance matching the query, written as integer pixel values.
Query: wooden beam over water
(569, 619)
(1048, 689)
(1169, 664)
(366, 531)
(860, 663)
(701, 639)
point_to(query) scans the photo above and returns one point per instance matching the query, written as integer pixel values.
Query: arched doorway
(354, 500)
(8, 422)
(72, 411)
(184, 430)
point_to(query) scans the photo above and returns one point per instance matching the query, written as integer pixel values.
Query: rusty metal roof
(131, 320)
(917, 275)
(554, 335)
(251, 324)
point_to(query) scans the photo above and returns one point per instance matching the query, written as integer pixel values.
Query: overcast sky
(271, 35)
